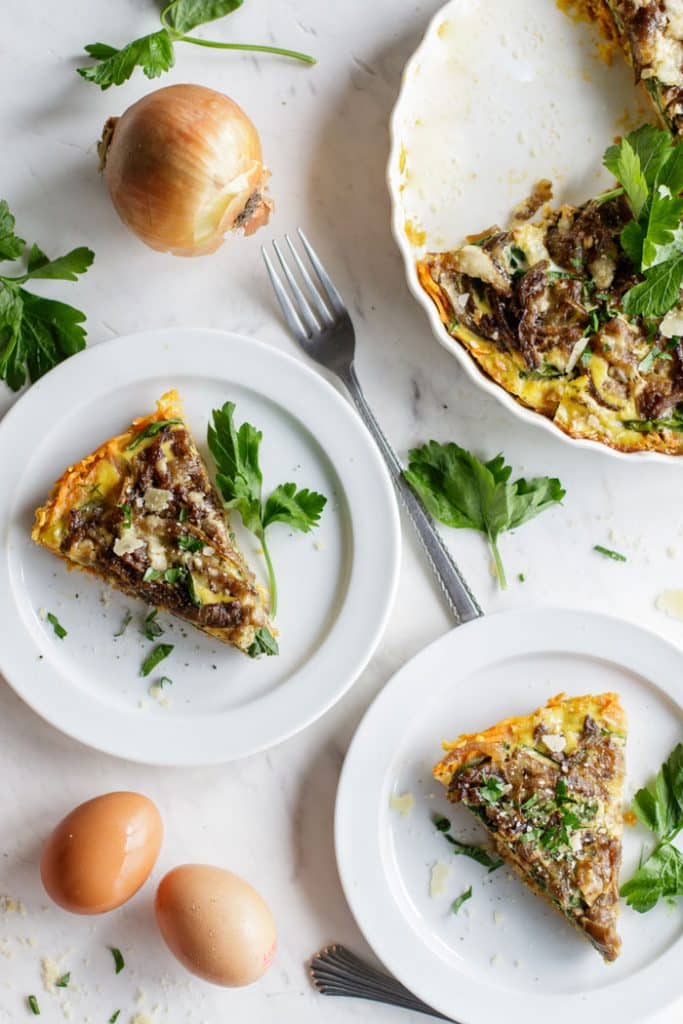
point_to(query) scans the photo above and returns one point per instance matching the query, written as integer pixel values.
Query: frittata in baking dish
(650, 33)
(576, 311)
(141, 514)
(548, 788)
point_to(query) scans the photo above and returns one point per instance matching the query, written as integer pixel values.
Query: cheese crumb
(437, 879)
(671, 603)
(403, 803)
(157, 499)
(555, 742)
(498, 917)
(8, 905)
(50, 973)
(127, 542)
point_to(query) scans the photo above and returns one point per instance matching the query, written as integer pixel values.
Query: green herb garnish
(477, 853)
(127, 619)
(33, 1005)
(240, 482)
(160, 652)
(56, 625)
(659, 807)
(673, 422)
(188, 543)
(154, 53)
(64, 980)
(647, 362)
(36, 333)
(492, 790)
(114, 1017)
(544, 372)
(263, 643)
(183, 515)
(127, 513)
(151, 430)
(164, 681)
(150, 627)
(119, 962)
(465, 493)
(152, 575)
(649, 166)
(616, 556)
(459, 900)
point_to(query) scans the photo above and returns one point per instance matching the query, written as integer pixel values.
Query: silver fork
(320, 322)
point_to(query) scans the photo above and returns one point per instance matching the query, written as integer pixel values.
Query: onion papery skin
(183, 167)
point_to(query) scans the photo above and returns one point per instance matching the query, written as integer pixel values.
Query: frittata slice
(141, 514)
(548, 787)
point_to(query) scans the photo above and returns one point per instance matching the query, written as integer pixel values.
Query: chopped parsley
(63, 982)
(492, 790)
(189, 543)
(160, 652)
(616, 556)
(152, 575)
(127, 619)
(56, 625)
(127, 513)
(150, 627)
(151, 430)
(33, 1005)
(164, 681)
(119, 962)
(183, 515)
(476, 853)
(459, 900)
(114, 1017)
(263, 643)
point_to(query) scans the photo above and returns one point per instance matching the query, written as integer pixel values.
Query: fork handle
(459, 597)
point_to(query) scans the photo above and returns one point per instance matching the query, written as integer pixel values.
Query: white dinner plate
(507, 955)
(489, 104)
(336, 584)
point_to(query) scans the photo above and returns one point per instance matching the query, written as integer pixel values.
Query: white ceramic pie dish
(489, 104)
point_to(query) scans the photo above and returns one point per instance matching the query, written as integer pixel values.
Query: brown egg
(101, 853)
(216, 924)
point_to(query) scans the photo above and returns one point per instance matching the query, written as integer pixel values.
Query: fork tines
(306, 310)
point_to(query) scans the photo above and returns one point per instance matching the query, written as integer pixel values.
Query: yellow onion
(183, 167)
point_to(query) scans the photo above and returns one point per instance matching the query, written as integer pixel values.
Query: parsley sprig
(154, 53)
(660, 808)
(462, 492)
(649, 166)
(36, 333)
(240, 481)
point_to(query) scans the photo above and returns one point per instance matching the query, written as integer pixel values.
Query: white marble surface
(270, 817)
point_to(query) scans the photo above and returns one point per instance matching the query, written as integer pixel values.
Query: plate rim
(467, 362)
(367, 456)
(481, 1005)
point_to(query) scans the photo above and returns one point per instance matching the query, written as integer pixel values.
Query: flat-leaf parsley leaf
(240, 481)
(36, 333)
(154, 53)
(462, 492)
